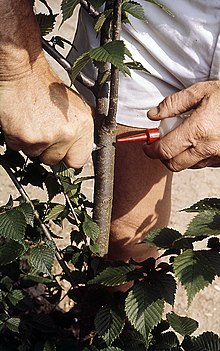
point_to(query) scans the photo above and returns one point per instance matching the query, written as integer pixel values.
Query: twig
(81, 77)
(41, 224)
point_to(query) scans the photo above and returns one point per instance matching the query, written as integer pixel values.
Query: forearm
(20, 42)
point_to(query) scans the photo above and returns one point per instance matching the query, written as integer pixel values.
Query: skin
(42, 117)
(38, 113)
(196, 142)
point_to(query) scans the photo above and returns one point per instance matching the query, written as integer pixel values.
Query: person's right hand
(42, 117)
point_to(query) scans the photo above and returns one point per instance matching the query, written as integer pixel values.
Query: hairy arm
(38, 113)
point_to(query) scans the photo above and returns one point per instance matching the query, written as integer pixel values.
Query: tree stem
(105, 136)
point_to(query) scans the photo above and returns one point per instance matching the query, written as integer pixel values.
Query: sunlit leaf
(90, 228)
(144, 308)
(41, 259)
(206, 223)
(13, 324)
(13, 225)
(194, 271)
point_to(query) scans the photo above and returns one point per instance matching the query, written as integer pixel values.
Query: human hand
(42, 117)
(196, 142)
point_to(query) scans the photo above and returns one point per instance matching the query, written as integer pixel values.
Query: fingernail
(153, 111)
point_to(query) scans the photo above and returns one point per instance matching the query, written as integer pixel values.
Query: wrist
(20, 41)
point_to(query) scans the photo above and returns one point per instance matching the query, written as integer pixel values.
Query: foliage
(100, 318)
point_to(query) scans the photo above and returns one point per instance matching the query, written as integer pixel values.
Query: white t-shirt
(177, 50)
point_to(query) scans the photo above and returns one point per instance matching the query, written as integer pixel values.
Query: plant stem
(105, 136)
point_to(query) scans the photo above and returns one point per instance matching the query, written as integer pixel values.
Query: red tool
(149, 136)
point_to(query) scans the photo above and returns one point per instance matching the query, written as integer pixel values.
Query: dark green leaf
(79, 63)
(136, 66)
(55, 212)
(61, 170)
(112, 52)
(164, 8)
(144, 308)
(134, 9)
(182, 325)
(162, 237)
(113, 276)
(108, 324)
(204, 205)
(167, 342)
(100, 20)
(46, 23)
(67, 8)
(41, 259)
(15, 296)
(52, 185)
(97, 3)
(194, 271)
(165, 284)
(207, 341)
(28, 213)
(13, 324)
(13, 225)
(10, 251)
(213, 258)
(90, 228)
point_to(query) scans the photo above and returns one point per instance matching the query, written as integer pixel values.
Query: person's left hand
(196, 142)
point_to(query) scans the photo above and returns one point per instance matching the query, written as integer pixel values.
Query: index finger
(186, 135)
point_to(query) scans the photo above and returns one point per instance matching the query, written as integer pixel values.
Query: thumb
(178, 103)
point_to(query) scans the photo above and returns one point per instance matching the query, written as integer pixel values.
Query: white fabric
(178, 51)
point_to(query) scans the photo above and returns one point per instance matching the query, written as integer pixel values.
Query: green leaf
(46, 23)
(10, 251)
(167, 342)
(165, 284)
(134, 9)
(15, 296)
(136, 66)
(13, 324)
(144, 308)
(182, 325)
(52, 185)
(204, 205)
(79, 63)
(41, 258)
(13, 225)
(162, 237)
(97, 3)
(206, 223)
(90, 228)
(207, 341)
(163, 7)
(61, 170)
(55, 212)
(194, 271)
(108, 324)
(112, 52)
(213, 258)
(67, 8)
(113, 276)
(100, 20)
(28, 213)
